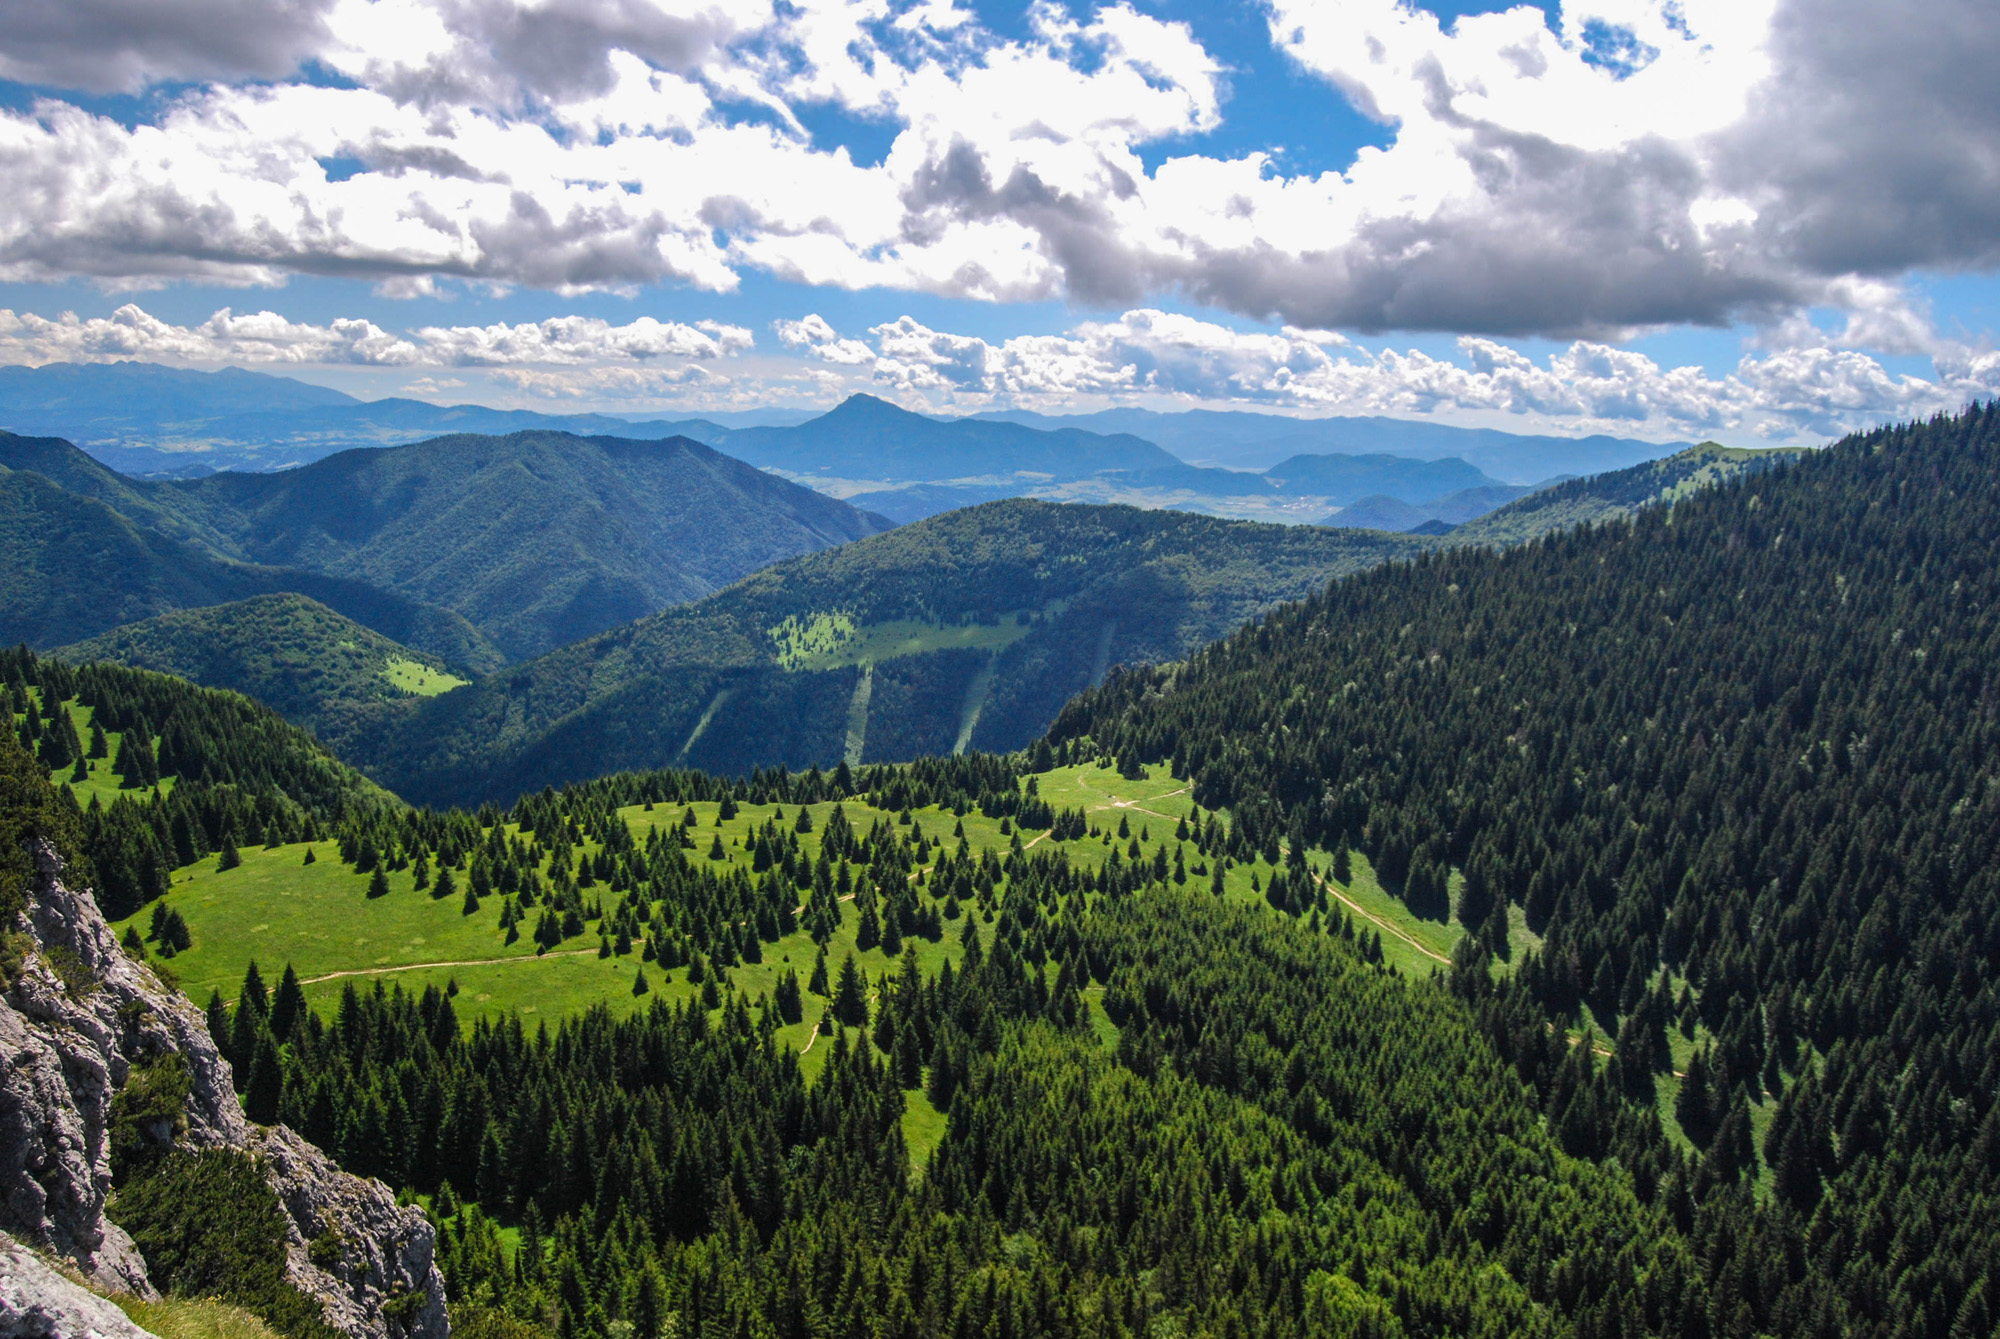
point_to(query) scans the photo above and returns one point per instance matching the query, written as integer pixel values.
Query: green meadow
(834, 641)
(418, 679)
(276, 909)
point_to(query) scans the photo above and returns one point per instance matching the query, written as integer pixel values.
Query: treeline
(1733, 762)
(239, 774)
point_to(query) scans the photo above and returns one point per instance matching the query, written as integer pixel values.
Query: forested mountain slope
(537, 538)
(1073, 1090)
(293, 654)
(1733, 762)
(967, 629)
(74, 562)
(475, 549)
(1616, 494)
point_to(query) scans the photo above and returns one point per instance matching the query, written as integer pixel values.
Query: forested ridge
(1735, 762)
(316, 668)
(1085, 587)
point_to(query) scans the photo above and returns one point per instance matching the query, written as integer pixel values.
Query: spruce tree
(791, 1008)
(850, 995)
(254, 994)
(1693, 1104)
(266, 1082)
(288, 1007)
(245, 1027)
(378, 883)
(818, 983)
(218, 1022)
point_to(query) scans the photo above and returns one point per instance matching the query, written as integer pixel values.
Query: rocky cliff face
(38, 1303)
(79, 1015)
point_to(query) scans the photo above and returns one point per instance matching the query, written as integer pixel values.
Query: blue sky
(1614, 215)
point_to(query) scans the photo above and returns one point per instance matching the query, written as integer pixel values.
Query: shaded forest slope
(972, 628)
(314, 667)
(1733, 762)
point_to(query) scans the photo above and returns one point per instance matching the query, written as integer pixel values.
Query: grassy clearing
(799, 639)
(194, 1318)
(418, 679)
(276, 909)
(923, 1127)
(1412, 945)
(886, 641)
(102, 784)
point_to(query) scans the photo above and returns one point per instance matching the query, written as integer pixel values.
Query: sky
(1760, 221)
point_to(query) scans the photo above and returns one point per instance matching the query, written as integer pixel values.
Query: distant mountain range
(486, 548)
(1380, 511)
(920, 466)
(1238, 439)
(145, 419)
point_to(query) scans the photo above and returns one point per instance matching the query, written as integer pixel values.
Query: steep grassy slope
(166, 772)
(771, 669)
(293, 654)
(537, 538)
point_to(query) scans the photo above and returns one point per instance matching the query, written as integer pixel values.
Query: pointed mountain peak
(861, 407)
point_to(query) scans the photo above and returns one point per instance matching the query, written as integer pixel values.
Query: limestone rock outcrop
(79, 1014)
(38, 1303)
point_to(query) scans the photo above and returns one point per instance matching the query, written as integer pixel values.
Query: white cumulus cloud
(265, 337)
(1624, 164)
(1163, 358)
